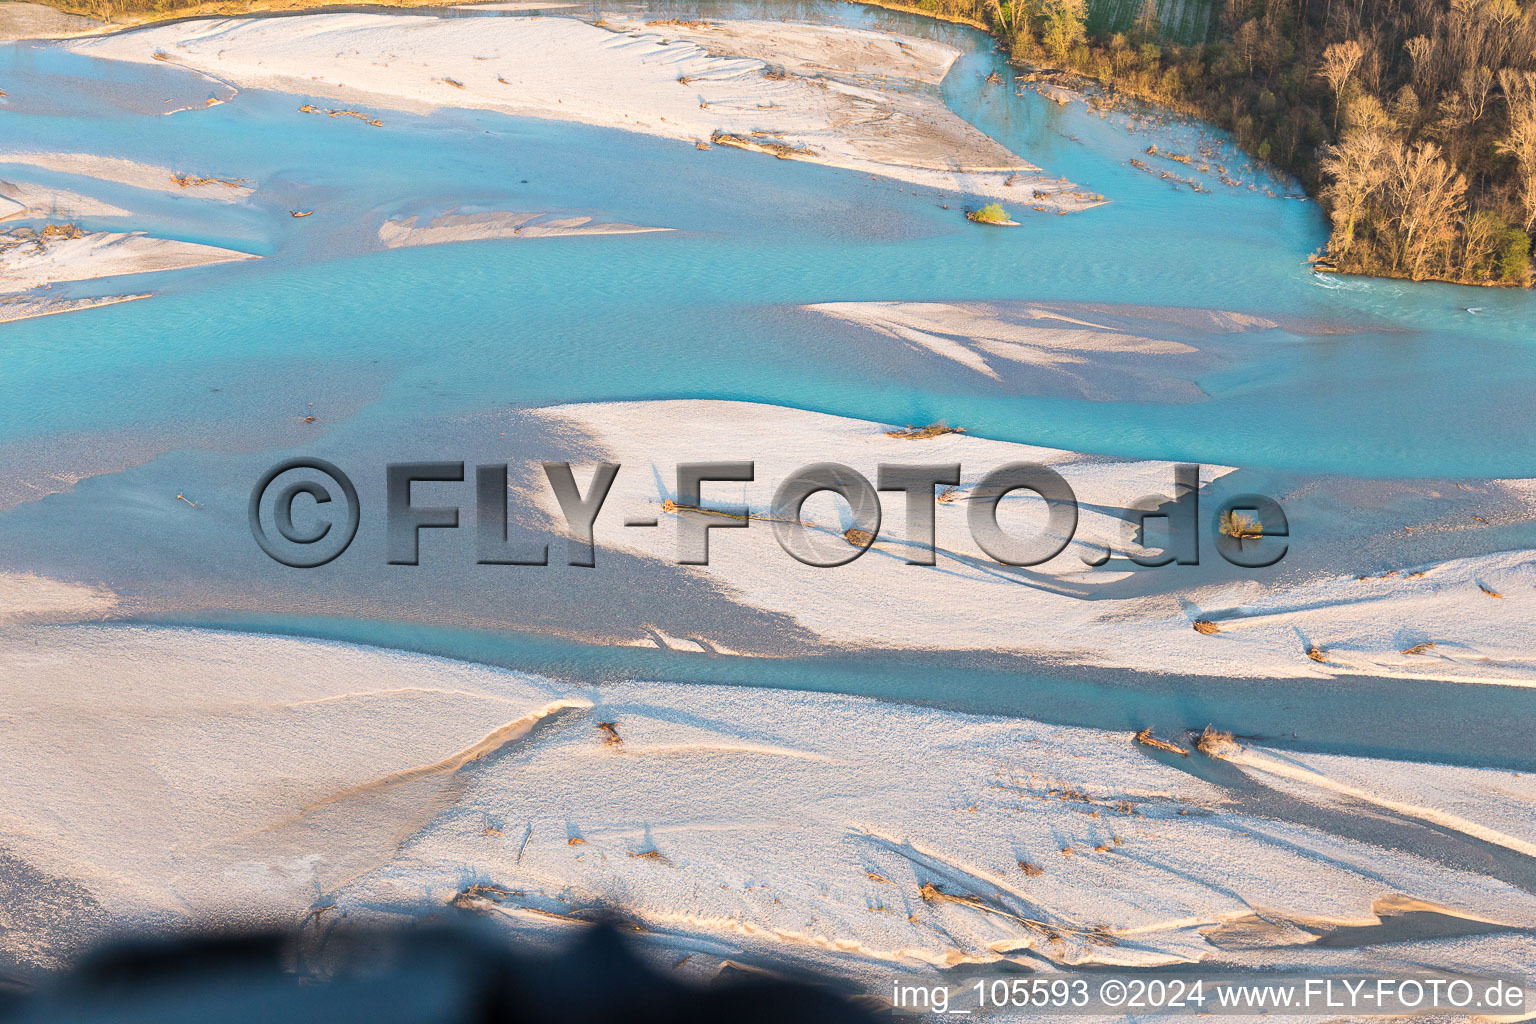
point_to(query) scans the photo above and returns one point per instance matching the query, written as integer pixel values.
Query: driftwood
(189, 181)
(311, 109)
(676, 508)
(1146, 739)
(1214, 743)
(760, 143)
(912, 433)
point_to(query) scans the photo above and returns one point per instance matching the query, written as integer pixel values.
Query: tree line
(1413, 121)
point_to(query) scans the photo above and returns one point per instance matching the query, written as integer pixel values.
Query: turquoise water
(1428, 721)
(201, 387)
(1416, 388)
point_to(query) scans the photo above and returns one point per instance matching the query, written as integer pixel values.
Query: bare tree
(1453, 118)
(1476, 87)
(1502, 18)
(1364, 112)
(1357, 170)
(1063, 27)
(1246, 39)
(1464, 30)
(1423, 52)
(1427, 197)
(1405, 108)
(1520, 93)
(1340, 61)
(1480, 240)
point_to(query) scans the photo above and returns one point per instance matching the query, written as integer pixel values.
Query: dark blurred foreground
(436, 975)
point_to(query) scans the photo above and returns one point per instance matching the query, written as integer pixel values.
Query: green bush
(1515, 257)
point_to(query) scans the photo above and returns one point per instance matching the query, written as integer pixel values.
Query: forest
(1413, 121)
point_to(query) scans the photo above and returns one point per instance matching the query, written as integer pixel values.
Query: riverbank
(860, 111)
(1457, 620)
(21, 20)
(324, 786)
(461, 226)
(1482, 233)
(33, 261)
(834, 95)
(953, 19)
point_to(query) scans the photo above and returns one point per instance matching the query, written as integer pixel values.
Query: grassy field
(1182, 21)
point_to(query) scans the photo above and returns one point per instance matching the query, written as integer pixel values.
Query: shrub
(992, 213)
(1240, 526)
(1515, 257)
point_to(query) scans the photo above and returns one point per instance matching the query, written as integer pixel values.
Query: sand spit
(1116, 614)
(1489, 804)
(25, 307)
(647, 79)
(23, 199)
(1039, 348)
(135, 174)
(28, 598)
(471, 227)
(175, 774)
(36, 261)
(1082, 350)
